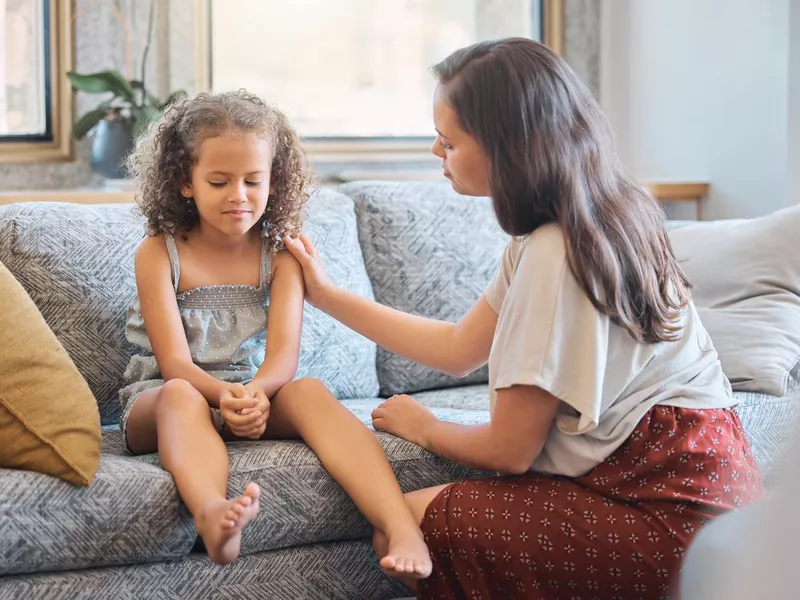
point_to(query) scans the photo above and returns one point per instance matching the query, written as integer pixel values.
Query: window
(35, 103)
(23, 113)
(353, 75)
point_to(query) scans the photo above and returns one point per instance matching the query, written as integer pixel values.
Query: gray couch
(418, 247)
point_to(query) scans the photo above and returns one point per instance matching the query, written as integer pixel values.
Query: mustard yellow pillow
(49, 420)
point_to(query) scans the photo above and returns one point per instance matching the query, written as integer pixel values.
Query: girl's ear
(186, 191)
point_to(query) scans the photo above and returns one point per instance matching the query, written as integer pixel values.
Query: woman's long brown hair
(553, 161)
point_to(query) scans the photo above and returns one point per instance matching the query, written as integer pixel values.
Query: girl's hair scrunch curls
(162, 160)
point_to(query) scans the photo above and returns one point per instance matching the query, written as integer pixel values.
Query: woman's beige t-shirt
(550, 335)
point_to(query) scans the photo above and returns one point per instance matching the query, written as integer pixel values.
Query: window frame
(364, 150)
(55, 145)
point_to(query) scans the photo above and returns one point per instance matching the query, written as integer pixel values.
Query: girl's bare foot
(407, 555)
(220, 524)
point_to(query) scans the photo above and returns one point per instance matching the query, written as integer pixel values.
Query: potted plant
(120, 117)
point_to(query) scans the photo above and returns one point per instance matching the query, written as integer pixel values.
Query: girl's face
(463, 160)
(230, 182)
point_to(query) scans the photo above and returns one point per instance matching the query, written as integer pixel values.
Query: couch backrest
(76, 263)
(430, 252)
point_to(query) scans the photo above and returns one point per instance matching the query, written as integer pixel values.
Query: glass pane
(352, 68)
(22, 67)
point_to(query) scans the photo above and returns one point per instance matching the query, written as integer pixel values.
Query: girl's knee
(179, 395)
(307, 388)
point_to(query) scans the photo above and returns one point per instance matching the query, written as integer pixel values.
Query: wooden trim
(88, 196)
(60, 148)
(679, 192)
(554, 24)
(668, 193)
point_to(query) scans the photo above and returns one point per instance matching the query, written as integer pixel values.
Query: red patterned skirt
(619, 531)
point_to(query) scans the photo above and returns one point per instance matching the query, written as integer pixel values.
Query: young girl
(221, 179)
(609, 408)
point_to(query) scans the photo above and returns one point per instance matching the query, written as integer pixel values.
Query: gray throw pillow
(746, 274)
(429, 252)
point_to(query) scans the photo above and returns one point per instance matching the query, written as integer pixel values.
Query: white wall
(698, 90)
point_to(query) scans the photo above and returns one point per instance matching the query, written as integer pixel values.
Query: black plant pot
(113, 141)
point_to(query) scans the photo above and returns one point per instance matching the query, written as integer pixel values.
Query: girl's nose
(238, 193)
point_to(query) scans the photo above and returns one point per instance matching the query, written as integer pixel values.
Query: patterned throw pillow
(429, 252)
(329, 351)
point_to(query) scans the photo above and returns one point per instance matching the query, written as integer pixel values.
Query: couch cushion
(430, 252)
(746, 274)
(61, 439)
(130, 514)
(468, 397)
(300, 502)
(772, 424)
(342, 571)
(76, 262)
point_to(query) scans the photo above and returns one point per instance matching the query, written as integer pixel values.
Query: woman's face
(463, 160)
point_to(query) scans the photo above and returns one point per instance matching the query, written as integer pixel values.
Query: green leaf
(101, 82)
(151, 100)
(176, 96)
(85, 124)
(142, 115)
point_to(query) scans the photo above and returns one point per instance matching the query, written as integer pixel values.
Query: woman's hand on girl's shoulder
(317, 283)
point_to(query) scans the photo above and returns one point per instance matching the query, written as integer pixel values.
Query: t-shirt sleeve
(550, 335)
(495, 292)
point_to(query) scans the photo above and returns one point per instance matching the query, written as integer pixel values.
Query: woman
(611, 420)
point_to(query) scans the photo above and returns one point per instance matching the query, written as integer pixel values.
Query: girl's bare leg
(418, 502)
(175, 419)
(355, 459)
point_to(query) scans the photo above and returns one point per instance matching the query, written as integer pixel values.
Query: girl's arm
(284, 325)
(454, 348)
(509, 443)
(163, 321)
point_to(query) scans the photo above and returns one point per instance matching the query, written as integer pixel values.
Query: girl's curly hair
(162, 160)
